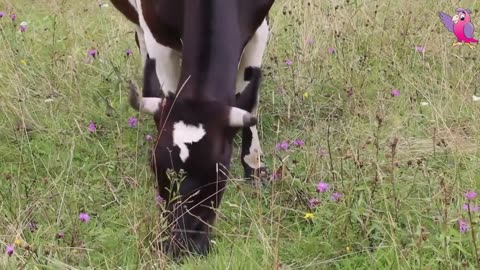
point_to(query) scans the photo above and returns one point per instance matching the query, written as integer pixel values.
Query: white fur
(141, 43)
(255, 151)
(183, 134)
(252, 54)
(150, 105)
(235, 117)
(167, 59)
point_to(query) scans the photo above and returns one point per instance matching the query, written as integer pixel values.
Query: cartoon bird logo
(460, 26)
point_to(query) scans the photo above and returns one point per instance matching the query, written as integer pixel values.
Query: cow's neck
(211, 50)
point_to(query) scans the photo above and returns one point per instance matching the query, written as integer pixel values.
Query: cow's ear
(149, 105)
(240, 118)
(248, 98)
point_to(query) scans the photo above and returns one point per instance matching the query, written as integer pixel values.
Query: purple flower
(93, 53)
(473, 208)
(23, 28)
(148, 137)
(92, 127)
(132, 122)
(2, 14)
(288, 62)
(312, 203)
(336, 196)
(282, 146)
(462, 225)
(331, 50)
(13, 16)
(395, 92)
(60, 235)
(159, 199)
(322, 187)
(84, 217)
(100, 3)
(128, 52)
(470, 195)
(298, 143)
(309, 41)
(32, 226)
(420, 49)
(9, 250)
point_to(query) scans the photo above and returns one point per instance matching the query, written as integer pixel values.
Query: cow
(201, 84)
(155, 37)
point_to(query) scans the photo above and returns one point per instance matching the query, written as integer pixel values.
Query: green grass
(401, 201)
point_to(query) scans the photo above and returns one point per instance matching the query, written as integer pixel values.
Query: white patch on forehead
(167, 60)
(183, 134)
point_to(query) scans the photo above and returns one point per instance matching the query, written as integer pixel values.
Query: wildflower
(13, 16)
(23, 62)
(420, 49)
(306, 95)
(128, 52)
(132, 121)
(93, 53)
(336, 196)
(148, 137)
(23, 28)
(331, 50)
(84, 217)
(395, 92)
(275, 176)
(2, 14)
(17, 242)
(473, 208)
(308, 216)
(32, 226)
(60, 235)
(298, 143)
(9, 250)
(159, 198)
(462, 225)
(312, 203)
(322, 187)
(288, 62)
(347, 249)
(309, 41)
(282, 146)
(350, 92)
(92, 127)
(470, 195)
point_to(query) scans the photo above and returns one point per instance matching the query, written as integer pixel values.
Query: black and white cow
(156, 39)
(202, 75)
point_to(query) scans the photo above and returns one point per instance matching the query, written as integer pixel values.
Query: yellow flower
(18, 242)
(306, 95)
(23, 62)
(308, 216)
(347, 249)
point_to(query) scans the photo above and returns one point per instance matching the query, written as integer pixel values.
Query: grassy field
(374, 89)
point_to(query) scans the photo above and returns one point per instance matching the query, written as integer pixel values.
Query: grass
(402, 167)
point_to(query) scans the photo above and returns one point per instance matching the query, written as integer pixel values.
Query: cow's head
(195, 136)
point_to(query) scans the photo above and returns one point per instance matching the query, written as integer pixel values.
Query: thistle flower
(84, 217)
(322, 187)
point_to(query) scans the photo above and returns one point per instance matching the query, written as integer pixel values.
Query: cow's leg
(251, 149)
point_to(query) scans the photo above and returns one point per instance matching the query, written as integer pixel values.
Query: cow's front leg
(251, 149)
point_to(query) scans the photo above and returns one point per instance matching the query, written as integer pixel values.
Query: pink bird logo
(460, 25)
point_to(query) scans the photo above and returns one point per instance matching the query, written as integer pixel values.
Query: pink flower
(298, 143)
(473, 208)
(84, 217)
(2, 14)
(159, 199)
(395, 92)
(132, 121)
(148, 137)
(312, 203)
(420, 49)
(93, 53)
(282, 146)
(23, 28)
(13, 16)
(322, 187)
(309, 41)
(92, 127)
(128, 52)
(462, 225)
(336, 196)
(9, 250)
(470, 195)
(60, 235)
(331, 50)
(288, 62)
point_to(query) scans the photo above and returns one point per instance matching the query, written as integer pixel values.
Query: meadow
(366, 120)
